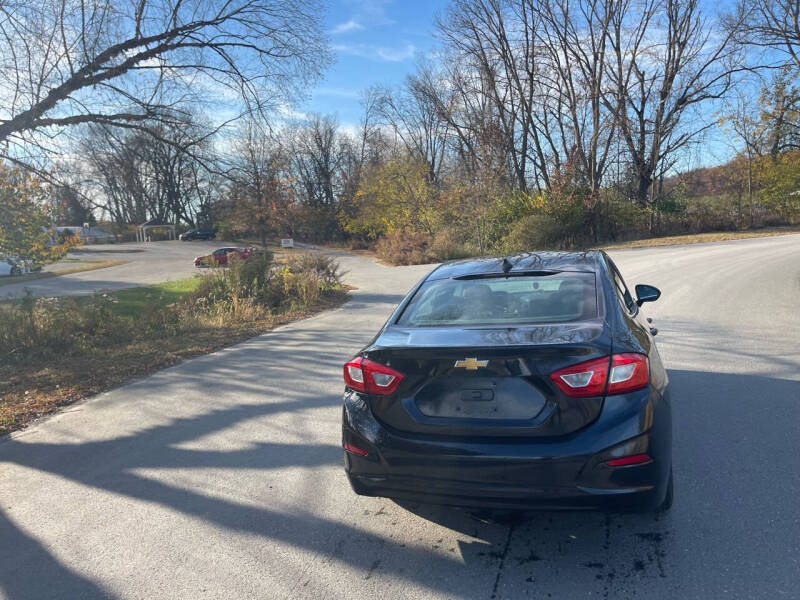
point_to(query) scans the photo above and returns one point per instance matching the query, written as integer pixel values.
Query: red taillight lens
(370, 377)
(625, 461)
(608, 375)
(584, 379)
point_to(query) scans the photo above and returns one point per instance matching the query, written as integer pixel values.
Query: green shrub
(530, 233)
(261, 285)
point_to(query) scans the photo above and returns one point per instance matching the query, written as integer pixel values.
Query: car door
(221, 256)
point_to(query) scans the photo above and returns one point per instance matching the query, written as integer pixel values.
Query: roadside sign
(287, 243)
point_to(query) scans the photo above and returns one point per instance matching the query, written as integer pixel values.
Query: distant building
(90, 235)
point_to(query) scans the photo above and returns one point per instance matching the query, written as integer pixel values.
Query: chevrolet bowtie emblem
(471, 364)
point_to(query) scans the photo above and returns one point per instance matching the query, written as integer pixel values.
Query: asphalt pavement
(222, 477)
(145, 263)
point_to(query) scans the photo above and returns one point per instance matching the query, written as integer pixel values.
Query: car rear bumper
(563, 473)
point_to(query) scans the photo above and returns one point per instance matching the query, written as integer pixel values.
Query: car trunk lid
(486, 381)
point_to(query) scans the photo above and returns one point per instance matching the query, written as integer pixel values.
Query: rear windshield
(556, 298)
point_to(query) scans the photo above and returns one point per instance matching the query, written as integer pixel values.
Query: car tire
(669, 497)
(15, 272)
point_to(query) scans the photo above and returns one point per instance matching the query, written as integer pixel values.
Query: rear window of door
(517, 300)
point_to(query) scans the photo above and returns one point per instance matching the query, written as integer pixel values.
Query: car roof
(588, 262)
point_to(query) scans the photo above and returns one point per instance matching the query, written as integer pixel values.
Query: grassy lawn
(39, 385)
(135, 301)
(67, 269)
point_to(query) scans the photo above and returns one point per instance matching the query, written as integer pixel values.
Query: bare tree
(150, 174)
(538, 66)
(779, 121)
(770, 24)
(111, 159)
(416, 121)
(316, 157)
(574, 37)
(70, 207)
(260, 195)
(493, 86)
(742, 120)
(667, 59)
(69, 62)
(370, 142)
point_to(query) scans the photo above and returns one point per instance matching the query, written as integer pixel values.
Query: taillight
(629, 372)
(584, 379)
(370, 377)
(608, 375)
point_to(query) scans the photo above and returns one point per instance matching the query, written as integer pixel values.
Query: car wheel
(16, 271)
(669, 497)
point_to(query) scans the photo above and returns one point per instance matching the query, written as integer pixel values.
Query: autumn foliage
(26, 235)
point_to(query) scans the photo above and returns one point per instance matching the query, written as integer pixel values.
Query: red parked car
(220, 257)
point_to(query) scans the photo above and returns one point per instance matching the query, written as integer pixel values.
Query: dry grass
(65, 269)
(701, 238)
(39, 387)
(55, 351)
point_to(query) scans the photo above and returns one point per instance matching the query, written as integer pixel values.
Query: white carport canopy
(141, 230)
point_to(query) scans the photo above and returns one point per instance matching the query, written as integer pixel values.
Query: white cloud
(397, 54)
(377, 52)
(337, 92)
(348, 27)
(350, 129)
(371, 12)
(287, 112)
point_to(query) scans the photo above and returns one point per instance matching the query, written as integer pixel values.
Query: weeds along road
(145, 263)
(222, 477)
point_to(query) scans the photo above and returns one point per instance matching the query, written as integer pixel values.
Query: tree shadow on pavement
(562, 553)
(30, 571)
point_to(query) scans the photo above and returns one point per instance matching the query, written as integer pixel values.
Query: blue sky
(373, 41)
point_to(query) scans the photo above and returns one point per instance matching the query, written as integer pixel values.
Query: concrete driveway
(222, 477)
(146, 263)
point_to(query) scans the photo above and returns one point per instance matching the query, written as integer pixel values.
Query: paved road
(221, 477)
(146, 263)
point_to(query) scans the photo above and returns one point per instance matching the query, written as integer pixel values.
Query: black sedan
(197, 234)
(530, 381)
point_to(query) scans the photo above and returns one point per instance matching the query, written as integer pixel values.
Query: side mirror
(646, 293)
